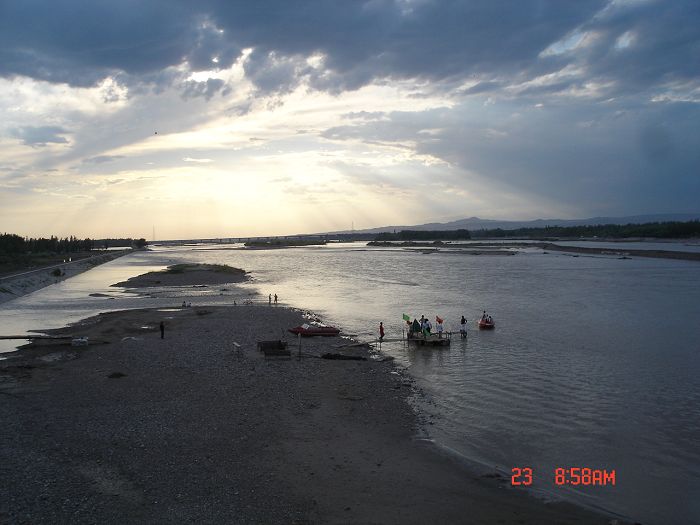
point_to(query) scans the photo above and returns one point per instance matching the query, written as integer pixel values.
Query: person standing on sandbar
(275, 298)
(162, 330)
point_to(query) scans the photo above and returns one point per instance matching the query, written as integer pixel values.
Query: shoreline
(18, 285)
(122, 429)
(287, 441)
(654, 254)
(489, 248)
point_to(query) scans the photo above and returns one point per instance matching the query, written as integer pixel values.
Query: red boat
(307, 330)
(484, 324)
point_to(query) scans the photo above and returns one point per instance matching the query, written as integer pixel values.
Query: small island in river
(185, 275)
(284, 243)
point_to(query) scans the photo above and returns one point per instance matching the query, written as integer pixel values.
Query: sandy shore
(200, 427)
(190, 428)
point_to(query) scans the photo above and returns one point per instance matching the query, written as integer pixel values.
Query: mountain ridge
(476, 223)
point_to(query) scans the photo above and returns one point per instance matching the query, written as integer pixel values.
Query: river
(594, 361)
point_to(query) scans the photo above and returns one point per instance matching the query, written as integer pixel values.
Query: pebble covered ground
(194, 429)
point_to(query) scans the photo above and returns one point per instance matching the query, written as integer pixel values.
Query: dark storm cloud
(580, 155)
(482, 87)
(663, 38)
(40, 135)
(82, 42)
(589, 102)
(363, 41)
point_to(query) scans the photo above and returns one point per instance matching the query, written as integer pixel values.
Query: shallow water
(690, 245)
(594, 361)
(90, 293)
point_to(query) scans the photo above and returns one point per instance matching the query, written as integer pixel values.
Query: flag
(438, 319)
(406, 317)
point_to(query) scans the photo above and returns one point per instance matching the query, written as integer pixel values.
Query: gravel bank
(190, 428)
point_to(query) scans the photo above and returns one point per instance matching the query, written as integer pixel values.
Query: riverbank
(21, 284)
(194, 428)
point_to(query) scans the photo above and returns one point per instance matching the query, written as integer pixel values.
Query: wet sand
(192, 428)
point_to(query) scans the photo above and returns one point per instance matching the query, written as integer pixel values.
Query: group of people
(425, 327)
(269, 299)
(186, 305)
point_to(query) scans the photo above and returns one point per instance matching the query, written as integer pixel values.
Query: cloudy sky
(237, 117)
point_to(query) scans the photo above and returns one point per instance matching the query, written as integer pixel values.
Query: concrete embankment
(17, 285)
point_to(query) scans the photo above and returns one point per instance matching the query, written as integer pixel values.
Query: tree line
(658, 230)
(13, 244)
(427, 235)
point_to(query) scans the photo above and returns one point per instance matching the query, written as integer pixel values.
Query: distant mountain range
(475, 223)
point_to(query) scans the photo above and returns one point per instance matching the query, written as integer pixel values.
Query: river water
(594, 362)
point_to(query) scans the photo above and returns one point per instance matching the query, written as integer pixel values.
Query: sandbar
(187, 275)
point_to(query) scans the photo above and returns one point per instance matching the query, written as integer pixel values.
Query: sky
(227, 118)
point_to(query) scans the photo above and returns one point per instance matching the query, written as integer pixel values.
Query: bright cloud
(218, 118)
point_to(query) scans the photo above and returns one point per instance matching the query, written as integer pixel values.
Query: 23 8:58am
(523, 476)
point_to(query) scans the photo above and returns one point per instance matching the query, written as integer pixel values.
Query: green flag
(406, 317)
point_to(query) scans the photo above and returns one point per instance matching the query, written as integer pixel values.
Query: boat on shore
(310, 330)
